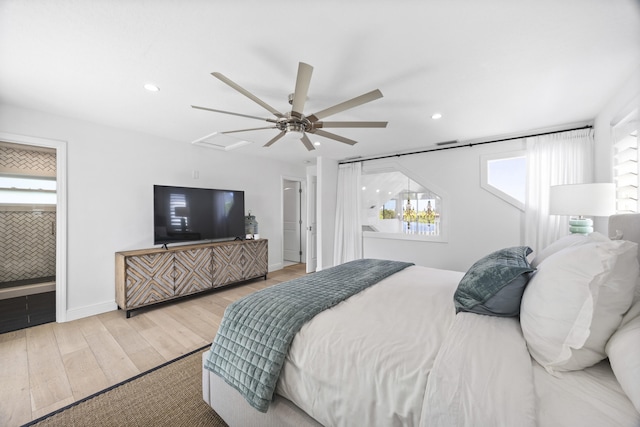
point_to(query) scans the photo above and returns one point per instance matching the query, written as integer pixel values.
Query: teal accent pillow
(494, 284)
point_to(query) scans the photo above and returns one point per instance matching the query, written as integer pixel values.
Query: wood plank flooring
(49, 366)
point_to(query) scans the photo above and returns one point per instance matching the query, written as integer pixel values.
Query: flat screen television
(183, 214)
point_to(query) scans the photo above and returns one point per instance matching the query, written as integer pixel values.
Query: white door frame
(312, 227)
(292, 210)
(303, 196)
(61, 212)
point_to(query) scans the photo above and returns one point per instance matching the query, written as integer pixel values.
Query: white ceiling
(491, 67)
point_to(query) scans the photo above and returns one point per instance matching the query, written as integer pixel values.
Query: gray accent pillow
(494, 284)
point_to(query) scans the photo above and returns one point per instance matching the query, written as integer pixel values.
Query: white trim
(91, 310)
(61, 213)
(303, 196)
(627, 112)
(400, 236)
(276, 266)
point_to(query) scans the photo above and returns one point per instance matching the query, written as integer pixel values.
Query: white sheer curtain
(560, 158)
(348, 237)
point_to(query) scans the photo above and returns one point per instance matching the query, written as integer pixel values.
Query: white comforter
(378, 358)
(482, 376)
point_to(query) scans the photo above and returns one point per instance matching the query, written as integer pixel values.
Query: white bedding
(482, 376)
(591, 397)
(329, 370)
(397, 355)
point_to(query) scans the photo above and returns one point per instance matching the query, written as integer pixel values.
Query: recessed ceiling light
(364, 188)
(151, 87)
(317, 144)
(436, 116)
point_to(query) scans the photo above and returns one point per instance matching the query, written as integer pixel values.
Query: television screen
(189, 214)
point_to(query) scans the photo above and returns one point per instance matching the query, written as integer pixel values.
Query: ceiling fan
(295, 120)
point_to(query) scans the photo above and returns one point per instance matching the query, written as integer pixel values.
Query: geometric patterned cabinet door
(227, 267)
(150, 276)
(192, 271)
(149, 279)
(255, 262)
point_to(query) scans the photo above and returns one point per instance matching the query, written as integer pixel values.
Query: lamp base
(580, 226)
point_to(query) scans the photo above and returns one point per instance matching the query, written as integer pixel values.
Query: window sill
(398, 236)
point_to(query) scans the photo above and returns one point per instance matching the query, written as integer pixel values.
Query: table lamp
(580, 200)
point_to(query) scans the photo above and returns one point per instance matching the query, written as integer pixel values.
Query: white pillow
(623, 350)
(576, 300)
(566, 242)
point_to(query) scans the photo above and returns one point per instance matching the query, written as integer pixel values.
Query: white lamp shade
(597, 199)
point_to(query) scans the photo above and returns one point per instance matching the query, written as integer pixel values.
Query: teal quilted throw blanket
(256, 331)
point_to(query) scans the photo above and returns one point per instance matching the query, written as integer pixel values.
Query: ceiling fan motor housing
(291, 123)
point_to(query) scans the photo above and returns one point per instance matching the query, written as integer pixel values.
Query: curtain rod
(471, 144)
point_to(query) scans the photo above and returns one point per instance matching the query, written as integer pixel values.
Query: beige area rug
(169, 395)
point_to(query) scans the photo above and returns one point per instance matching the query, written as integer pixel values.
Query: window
(505, 176)
(625, 163)
(16, 190)
(394, 205)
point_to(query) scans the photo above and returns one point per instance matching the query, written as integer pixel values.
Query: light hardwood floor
(46, 367)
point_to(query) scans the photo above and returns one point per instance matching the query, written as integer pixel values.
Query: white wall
(477, 221)
(110, 174)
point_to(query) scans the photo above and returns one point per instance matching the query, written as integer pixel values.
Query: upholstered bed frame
(233, 408)
(625, 226)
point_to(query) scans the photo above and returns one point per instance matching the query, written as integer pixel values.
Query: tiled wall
(27, 237)
(18, 160)
(28, 248)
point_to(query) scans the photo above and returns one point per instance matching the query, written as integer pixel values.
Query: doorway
(27, 248)
(291, 222)
(34, 289)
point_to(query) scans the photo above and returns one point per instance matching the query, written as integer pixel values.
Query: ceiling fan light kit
(295, 121)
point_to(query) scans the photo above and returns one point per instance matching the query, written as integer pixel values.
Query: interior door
(312, 255)
(291, 221)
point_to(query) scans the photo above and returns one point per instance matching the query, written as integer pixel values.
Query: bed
(548, 339)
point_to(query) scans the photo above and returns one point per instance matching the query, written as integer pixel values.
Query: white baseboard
(90, 310)
(276, 266)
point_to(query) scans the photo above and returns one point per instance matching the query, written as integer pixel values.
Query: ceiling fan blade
(319, 125)
(248, 94)
(302, 89)
(307, 142)
(333, 136)
(247, 130)
(354, 102)
(274, 139)
(233, 114)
